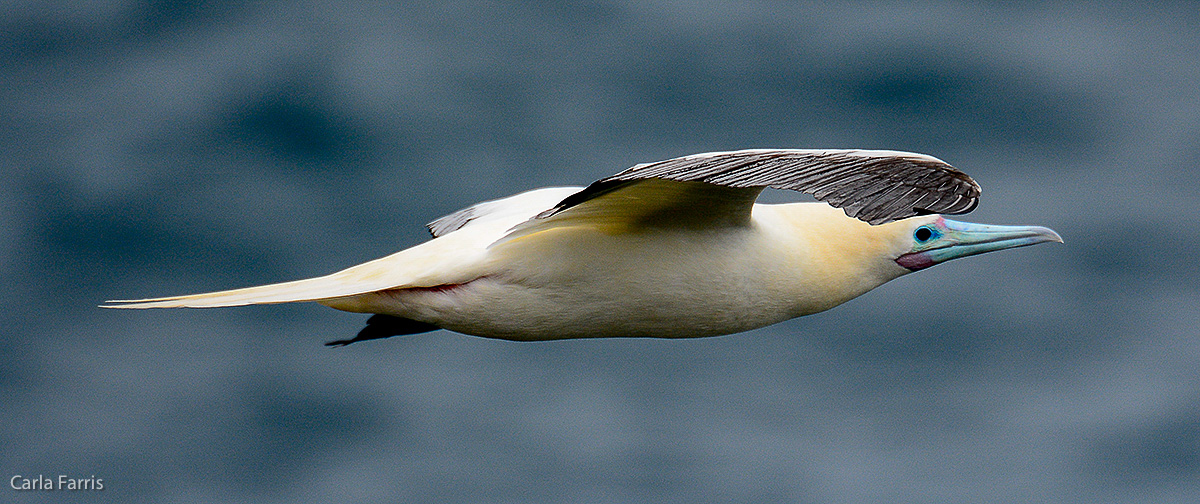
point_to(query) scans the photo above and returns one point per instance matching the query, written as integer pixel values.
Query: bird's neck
(831, 258)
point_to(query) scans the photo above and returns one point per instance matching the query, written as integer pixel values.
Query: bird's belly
(492, 307)
(585, 284)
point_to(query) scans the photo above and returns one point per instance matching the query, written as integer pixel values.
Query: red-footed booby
(670, 249)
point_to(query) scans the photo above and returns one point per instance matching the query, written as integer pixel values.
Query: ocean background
(158, 148)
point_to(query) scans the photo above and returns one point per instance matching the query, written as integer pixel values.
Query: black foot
(385, 326)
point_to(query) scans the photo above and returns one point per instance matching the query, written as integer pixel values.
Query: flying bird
(670, 249)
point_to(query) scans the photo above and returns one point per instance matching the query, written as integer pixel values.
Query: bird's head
(930, 240)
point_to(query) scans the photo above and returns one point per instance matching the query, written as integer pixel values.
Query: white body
(593, 281)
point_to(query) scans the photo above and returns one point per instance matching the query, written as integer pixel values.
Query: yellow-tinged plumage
(683, 253)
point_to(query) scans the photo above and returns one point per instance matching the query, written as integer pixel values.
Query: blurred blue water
(154, 148)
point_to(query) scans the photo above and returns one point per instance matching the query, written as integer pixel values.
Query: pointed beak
(962, 239)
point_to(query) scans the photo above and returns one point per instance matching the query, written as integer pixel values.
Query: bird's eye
(923, 234)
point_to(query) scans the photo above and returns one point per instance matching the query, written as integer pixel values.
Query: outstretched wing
(875, 186)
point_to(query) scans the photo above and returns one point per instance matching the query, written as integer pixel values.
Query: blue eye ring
(924, 234)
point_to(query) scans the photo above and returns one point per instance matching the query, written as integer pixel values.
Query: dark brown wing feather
(873, 186)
